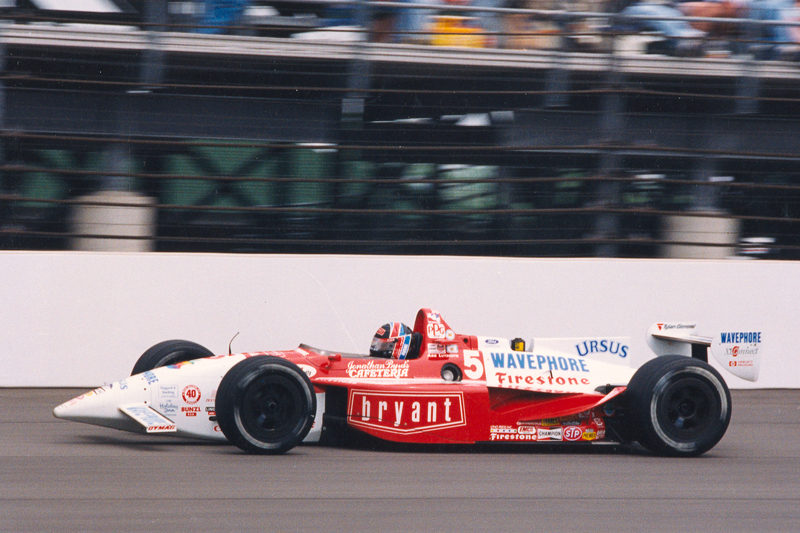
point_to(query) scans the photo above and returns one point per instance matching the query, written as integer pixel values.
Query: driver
(394, 341)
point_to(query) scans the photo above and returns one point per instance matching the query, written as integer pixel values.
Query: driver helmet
(391, 341)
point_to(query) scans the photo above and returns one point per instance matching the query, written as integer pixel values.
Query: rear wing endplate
(737, 352)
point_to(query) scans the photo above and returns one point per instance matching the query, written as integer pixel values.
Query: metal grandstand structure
(254, 141)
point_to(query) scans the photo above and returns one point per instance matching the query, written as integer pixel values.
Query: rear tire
(169, 353)
(679, 406)
(265, 405)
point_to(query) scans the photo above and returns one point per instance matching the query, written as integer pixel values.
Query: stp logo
(573, 433)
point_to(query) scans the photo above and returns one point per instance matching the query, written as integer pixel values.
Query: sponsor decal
(168, 391)
(434, 316)
(449, 335)
(123, 385)
(150, 377)
(437, 349)
(601, 346)
(529, 361)
(599, 422)
(442, 351)
(152, 421)
(521, 369)
(549, 433)
(168, 407)
(191, 394)
(181, 364)
(161, 427)
(572, 433)
(749, 337)
(406, 412)
(740, 351)
(211, 411)
(308, 369)
(378, 369)
(436, 331)
(492, 341)
(504, 378)
(666, 327)
(190, 411)
(601, 434)
(589, 434)
(736, 351)
(507, 433)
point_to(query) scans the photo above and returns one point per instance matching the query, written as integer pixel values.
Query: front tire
(679, 406)
(169, 353)
(265, 405)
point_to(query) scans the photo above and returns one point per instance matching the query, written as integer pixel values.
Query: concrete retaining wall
(82, 319)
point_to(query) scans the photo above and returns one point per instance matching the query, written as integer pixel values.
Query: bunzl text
(406, 412)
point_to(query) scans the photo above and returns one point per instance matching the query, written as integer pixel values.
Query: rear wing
(738, 352)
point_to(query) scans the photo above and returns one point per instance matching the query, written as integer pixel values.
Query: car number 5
(473, 366)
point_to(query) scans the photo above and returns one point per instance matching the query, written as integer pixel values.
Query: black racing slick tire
(265, 405)
(169, 353)
(678, 406)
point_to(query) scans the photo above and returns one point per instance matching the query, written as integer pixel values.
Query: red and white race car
(428, 384)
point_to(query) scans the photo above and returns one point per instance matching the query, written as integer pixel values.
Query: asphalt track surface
(64, 476)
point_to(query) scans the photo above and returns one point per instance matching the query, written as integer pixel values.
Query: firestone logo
(406, 412)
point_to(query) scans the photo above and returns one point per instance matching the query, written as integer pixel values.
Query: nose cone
(100, 407)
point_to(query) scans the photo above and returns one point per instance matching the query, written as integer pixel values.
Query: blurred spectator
(414, 24)
(491, 22)
(666, 19)
(221, 14)
(780, 40)
(476, 29)
(384, 24)
(527, 31)
(685, 37)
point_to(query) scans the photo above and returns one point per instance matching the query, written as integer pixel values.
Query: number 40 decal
(473, 364)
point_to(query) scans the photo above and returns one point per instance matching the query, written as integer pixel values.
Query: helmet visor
(382, 347)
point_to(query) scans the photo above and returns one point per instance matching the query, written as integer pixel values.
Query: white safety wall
(82, 319)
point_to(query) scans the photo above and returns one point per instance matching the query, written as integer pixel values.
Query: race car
(428, 384)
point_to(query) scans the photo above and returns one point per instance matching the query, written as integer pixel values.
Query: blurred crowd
(764, 28)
